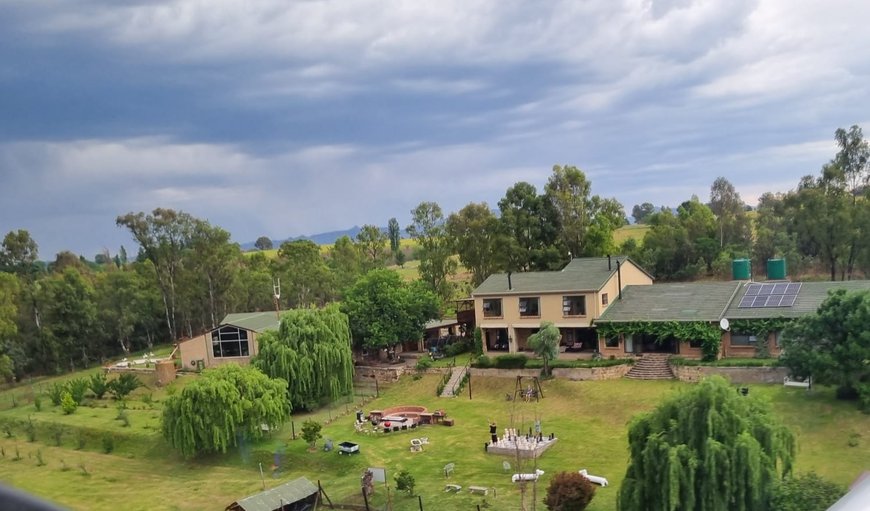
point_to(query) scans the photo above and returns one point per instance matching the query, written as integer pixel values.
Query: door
(629, 343)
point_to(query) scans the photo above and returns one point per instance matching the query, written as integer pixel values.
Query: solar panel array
(781, 294)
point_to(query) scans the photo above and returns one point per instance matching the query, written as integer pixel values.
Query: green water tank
(741, 269)
(776, 269)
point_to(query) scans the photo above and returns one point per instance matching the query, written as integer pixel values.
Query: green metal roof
(690, 301)
(254, 321)
(581, 274)
(270, 500)
(810, 296)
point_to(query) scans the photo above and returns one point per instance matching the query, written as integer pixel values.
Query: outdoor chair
(448, 469)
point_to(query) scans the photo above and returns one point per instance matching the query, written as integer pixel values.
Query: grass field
(588, 417)
(635, 231)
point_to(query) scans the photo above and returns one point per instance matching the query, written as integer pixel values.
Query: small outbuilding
(297, 495)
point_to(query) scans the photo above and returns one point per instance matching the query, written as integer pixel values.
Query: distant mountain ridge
(323, 238)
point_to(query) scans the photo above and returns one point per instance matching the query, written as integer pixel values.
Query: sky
(284, 118)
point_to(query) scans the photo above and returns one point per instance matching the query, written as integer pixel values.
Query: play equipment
(527, 477)
(532, 390)
(594, 479)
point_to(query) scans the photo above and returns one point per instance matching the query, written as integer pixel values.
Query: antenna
(276, 295)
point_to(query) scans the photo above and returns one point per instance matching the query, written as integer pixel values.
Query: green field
(635, 231)
(588, 417)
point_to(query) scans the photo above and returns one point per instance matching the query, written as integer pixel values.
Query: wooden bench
(479, 489)
(452, 488)
(806, 384)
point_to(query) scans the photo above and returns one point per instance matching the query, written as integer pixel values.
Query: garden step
(652, 366)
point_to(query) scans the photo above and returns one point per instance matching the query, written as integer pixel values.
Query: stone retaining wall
(386, 374)
(592, 373)
(503, 373)
(735, 374)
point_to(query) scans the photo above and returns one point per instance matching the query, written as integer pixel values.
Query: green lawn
(636, 231)
(588, 417)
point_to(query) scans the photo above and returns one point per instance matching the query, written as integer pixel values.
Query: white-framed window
(492, 307)
(574, 305)
(230, 341)
(530, 306)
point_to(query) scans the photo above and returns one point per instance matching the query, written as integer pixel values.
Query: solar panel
(753, 289)
(780, 294)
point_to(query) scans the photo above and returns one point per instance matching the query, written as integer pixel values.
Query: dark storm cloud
(285, 118)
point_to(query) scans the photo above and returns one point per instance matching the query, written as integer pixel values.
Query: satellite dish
(724, 324)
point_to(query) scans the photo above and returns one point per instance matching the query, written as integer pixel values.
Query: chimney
(619, 279)
(609, 268)
(510, 287)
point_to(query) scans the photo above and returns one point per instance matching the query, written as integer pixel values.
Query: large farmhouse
(509, 307)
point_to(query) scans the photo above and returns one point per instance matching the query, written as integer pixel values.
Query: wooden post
(469, 384)
(366, 499)
(420, 501)
(293, 429)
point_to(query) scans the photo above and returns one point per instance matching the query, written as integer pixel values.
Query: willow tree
(706, 449)
(311, 350)
(224, 405)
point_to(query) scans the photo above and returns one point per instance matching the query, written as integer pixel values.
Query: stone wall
(504, 373)
(592, 373)
(735, 374)
(386, 374)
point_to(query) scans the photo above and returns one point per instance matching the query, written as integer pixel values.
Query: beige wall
(199, 348)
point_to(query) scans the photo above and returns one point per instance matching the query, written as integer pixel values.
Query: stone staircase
(651, 366)
(455, 377)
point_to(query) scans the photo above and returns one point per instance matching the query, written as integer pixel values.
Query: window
(574, 305)
(603, 298)
(694, 343)
(492, 308)
(612, 342)
(776, 339)
(530, 306)
(229, 341)
(741, 339)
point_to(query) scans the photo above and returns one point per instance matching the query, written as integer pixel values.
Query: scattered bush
(122, 386)
(55, 393)
(805, 492)
(37, 402)
(81, 440)
(726, 362)
(311, 432)
(405, 482)
(39, 461)
(99, 385)
(108, 443)
(569, 491)
(57, 431)
(423, 364)
(77, 387)
(68, 403)
(7, 430)
(30, 430)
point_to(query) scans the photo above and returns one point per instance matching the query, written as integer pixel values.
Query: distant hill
(323, 238)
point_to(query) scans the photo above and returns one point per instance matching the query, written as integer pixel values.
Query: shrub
(77, 389)
(67, 403)
(405, 482)
(456, 348)
(477, 343)
(311, 432)
(483, 362)
(39, 461)
(30, 430)
(805, 492)
(99, 385)
(57, 431)
(81, 440)
(108, 443)
(55, 393)
(514, 361)
(37, 402)
(122, 386)
(423, 364)
(569, 491)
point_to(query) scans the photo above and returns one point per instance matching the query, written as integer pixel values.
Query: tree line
(188, 274)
